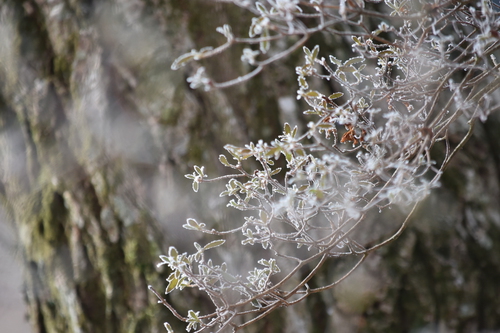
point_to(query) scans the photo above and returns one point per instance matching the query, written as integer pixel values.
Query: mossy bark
(94, 122)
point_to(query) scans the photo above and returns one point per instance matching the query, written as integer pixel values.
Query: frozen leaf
(353, 61)
(275, 171)
(307, 51)
(199, 170)
(336, 95)
(347, 69)
(171, 285)
(287, 128)
(197, 246)
(315, 52)
(261, 8)
(313, 93)
(168, 327)
(183, 60)
(223, 160)
(335, 61)
(357, 40)
(193, 320)
(263, 216)
(214, 243)
(192, 224)
(226, 31)
(172, 252)
(265, 44)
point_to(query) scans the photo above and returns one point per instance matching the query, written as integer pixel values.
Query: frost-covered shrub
(425, 66)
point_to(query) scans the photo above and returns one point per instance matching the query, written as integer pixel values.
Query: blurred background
(97, 132)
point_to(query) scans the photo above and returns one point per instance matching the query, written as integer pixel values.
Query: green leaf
(287, 129)
(193, 320)
(311, 112)
(303, 83)
(307, 51)
(315, 52)
(171, 286)
(261, 8)
(196, 186)
(256, 22)
(245, 153)
(354, 61)
(198, 170)
(336, 95)
(192, 224)
(277, 190)
(263, 216)
(303, 188)
(347, 69)
(193, 315)
(183, 60)
(275, 171)
(265, 45)
(168, 327)
(223, 160)
(313, 93)
(357, 40)
(335, 61)
(214, 243)
(388, 52)
(172, 252)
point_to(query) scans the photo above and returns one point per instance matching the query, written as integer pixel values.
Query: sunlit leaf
(172, 285)
(312, 93)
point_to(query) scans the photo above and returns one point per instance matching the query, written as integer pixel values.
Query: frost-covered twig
(417, 71)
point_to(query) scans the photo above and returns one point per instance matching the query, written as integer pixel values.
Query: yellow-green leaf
(336, 95)
(214, 243)
(354, 61)
(223, 160)
(171, 286)
(313, 93)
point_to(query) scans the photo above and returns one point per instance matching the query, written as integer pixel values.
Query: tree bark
(97, 132)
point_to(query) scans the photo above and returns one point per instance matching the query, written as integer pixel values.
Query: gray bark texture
(97, 132)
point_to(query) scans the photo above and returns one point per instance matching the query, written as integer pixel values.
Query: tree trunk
(97, 132)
